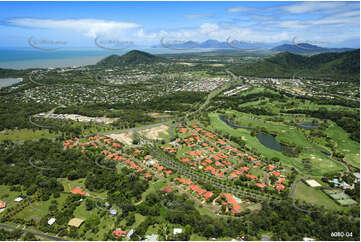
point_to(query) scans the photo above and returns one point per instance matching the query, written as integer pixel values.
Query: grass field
(315, 196)
(25, 134)
(345, 145)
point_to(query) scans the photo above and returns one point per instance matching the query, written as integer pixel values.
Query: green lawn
(40, 208)
(315, 196)
(350, 148)
(25, 134)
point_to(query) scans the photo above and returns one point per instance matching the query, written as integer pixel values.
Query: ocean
(23, 58)
(5, 82)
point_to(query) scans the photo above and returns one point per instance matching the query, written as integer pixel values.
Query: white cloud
(89, 27)
(322, 7)
(239, 9)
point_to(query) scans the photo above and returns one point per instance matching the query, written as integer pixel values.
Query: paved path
(48, 237)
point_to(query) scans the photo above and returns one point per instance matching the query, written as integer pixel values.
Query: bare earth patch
(153, 133)
(159, 115)
(186, 63)
(125, 138)
(216, 65)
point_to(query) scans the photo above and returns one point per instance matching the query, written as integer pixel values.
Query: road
(44, 236)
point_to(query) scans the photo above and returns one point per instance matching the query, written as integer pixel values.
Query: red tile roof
(275, 173)
(197, 189)
(185, 159)
(233, 175)
(147, 157)
(231, 200)
(167, 189)
(119, 233)
(182, 130)
(2, 204)
(261, 185)
(147, 175)
(168, 172)
(281, 180)
(251, 176)
(78, 190)
(208, 195)
(280, 187)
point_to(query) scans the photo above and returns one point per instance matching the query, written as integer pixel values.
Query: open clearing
(155, 132)
(125, 138)
(159, 115)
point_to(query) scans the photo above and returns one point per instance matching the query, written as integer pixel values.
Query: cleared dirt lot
(159, 115)
(125, 138)
(154, 133)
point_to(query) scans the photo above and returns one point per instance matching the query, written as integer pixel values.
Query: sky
(79, 24)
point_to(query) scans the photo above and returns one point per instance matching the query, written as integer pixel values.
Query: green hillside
(333, 66)
(134, 57)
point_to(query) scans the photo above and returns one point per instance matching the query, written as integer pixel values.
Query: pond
(5, 82)
(224, 119)
(308, 125)
(265, 139)
(269, 141)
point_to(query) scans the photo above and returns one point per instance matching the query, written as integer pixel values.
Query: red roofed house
(261, 185)
(168, 172)
(232, 201)
(281, 180)
(181, 180)
(182, 130)
(167, 189)
(233, 175)
(207, 195)
(119, 233)
(185, 160)
(280, 187)
(146, 175)
(78, 190)
(251, 176)
(271, 167)
(2, 204)
(275, 173)
(147, 157)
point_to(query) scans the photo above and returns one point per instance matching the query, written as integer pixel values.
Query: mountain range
(297, 48)
(334, 66)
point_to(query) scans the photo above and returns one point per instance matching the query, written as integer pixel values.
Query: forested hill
(134, 57)
(333, 66)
